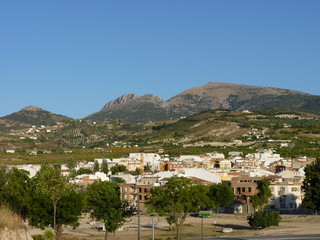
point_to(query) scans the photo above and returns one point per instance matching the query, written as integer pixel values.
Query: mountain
(213, 95)
(31, 115)
(134, 108)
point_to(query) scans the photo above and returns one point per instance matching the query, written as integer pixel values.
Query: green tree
(71, 164)
(54, 185)
(105, 204)
(260, 199)
(119, 168)
(219, 195)
(105, 167)
(84, 171)
(311, 186)
(263, 219)
(15, 192)
(119, 180)
(68, 209)
(3, 175)
(175, 200)
(96, 166)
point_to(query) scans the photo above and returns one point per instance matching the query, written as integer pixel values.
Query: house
(136, 193)
(287, 196)
(244, 187)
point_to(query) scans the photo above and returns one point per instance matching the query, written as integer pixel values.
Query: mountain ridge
(213, 95)
(135, 108)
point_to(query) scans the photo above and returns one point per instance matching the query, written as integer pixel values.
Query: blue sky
(71, 57)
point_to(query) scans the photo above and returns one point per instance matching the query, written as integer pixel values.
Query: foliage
(84, 171)
(72, 165)
(96, 166)
(119, 180)
(3, 175)
(48, 234)
(311, 186)
(261, 219)
(105, 167)
(118, 168)
(219, 195)
(38, 237)
(106, 205)
(15, 191)
(262, 197)
(54, 186)
(175, 200)
(41, 210)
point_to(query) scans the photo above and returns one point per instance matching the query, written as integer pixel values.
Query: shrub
(261, 219)
(38, 237)
(48, 234)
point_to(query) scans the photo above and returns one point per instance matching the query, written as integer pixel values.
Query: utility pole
(152, 216)
(138, 216)
(201, 227)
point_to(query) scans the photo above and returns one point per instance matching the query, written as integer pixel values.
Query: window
(283, 199)
(243, 189)
(283, 205)
(249, 189)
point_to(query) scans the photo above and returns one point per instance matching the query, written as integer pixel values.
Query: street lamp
(202, 227)
(152, 215)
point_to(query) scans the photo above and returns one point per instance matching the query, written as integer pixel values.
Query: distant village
(241, 172)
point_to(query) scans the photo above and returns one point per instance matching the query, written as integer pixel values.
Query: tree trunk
(106, 235)
(59, 232)
(180, 224)
(178, 231)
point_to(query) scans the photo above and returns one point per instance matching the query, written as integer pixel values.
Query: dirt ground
(212, 226)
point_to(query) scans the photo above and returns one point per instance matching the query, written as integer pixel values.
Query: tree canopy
(260, 199)
(311, 186)
(104, 201)
(219, 195)
(15, 190)
(176, 199)
(53, 185)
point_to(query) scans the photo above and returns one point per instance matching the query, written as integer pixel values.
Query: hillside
(31, 115)
(214, 95)
(211, 127)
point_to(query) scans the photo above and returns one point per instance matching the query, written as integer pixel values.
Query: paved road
(279, 237)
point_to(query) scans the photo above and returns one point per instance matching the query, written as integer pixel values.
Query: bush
(48, 234)
(38, 237)
(261, 219)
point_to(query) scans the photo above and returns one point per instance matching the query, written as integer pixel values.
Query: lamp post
(202, 227)
(138, 217)
(152, 215)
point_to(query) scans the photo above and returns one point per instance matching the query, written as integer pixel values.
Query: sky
(72, 57)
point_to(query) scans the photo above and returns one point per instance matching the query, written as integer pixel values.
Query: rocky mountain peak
(31, 108)
(132, 98)
(121, 100)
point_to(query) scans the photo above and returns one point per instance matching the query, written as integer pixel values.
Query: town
(241, 172)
